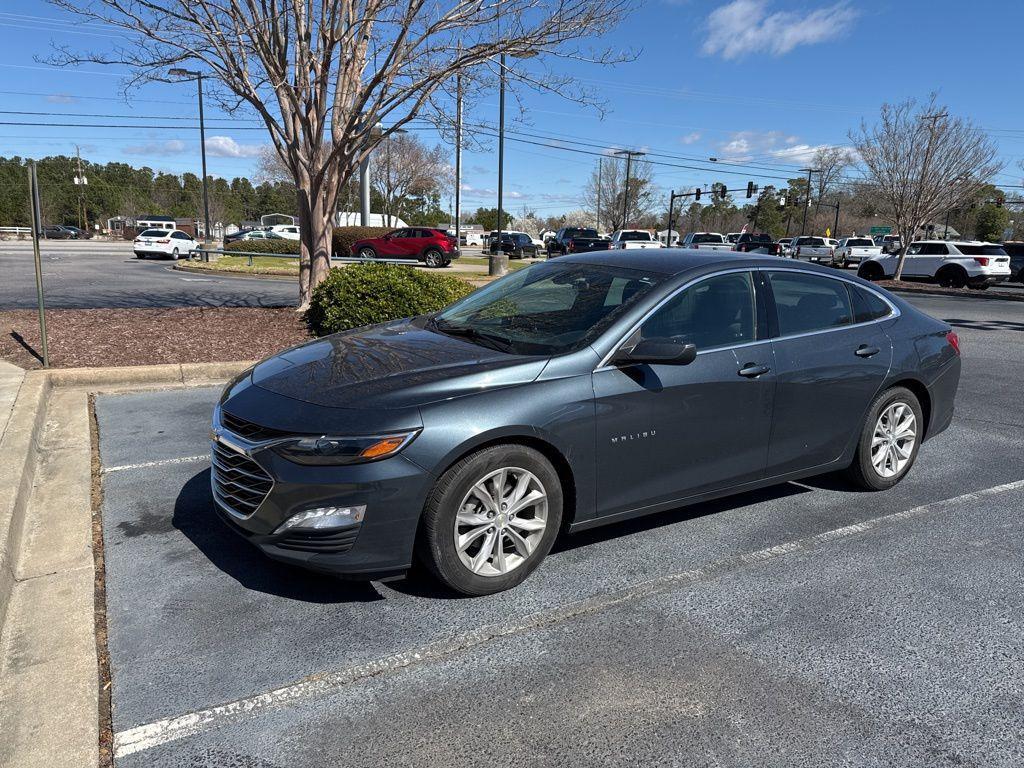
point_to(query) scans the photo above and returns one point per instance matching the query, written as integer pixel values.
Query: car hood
(395, 365)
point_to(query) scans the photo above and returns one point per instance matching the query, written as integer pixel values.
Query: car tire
(446, 263)
(140, 255)
(870, 271)
(492, 559)
(951, 277)
(366, 252)
(879, 467)
(433, 259)
(174, 255)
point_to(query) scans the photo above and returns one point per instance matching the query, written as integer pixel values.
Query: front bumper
(263, 490)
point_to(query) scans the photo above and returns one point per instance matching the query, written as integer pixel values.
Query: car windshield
(980, 250)
(547, 309)
(707, 239)
(636, 236)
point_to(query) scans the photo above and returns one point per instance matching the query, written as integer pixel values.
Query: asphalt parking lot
(805, 624)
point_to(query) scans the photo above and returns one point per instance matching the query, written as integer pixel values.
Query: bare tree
(830, 162)
(331, 79)
(603, 194)
(405, 167)
(922, 163)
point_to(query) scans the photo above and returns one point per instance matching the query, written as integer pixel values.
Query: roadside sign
(881, 230)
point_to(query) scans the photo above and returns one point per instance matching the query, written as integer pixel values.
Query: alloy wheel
(432, 260)
(501, 521)
(892, 443)
(367, 253)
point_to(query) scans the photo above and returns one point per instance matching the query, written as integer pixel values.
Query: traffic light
(696, 193)
(999, 201)
(722, 192)
(751, 189)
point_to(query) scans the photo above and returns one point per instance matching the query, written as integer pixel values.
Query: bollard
(497, 264)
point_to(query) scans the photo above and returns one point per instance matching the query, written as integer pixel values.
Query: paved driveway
(805, 624)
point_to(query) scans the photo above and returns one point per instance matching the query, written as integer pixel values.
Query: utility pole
(198, 77)
(458, 155)
(835, 227)
(803, 226)
(630, 154)
(80, 182)
(37, 228)
(597, 213)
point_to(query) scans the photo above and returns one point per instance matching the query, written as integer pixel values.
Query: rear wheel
(889, 440)
(140, 255)
(952, 277)
(174, 255)
(491, 519)
(870, 271)
(433, 258)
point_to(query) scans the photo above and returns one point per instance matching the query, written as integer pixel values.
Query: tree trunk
(315, 230)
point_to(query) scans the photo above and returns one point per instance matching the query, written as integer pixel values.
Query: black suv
(1015, 250)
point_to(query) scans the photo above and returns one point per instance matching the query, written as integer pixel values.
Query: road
(78, 275)
(802, 625)
(100, 274)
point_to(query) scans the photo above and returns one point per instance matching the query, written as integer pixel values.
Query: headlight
(344, 450)
(324, 518)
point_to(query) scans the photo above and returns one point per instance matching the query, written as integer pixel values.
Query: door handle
(753, 370)
(865, 351)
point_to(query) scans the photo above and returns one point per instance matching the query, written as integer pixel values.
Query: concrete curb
(187, 374)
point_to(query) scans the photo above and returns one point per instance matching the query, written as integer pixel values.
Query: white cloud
(160, 148)
(690, 138)
(225, 146)
(746, 27)
(744, 146)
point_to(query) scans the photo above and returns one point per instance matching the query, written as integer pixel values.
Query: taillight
(165, 240)
(982, 260)
(954, 341)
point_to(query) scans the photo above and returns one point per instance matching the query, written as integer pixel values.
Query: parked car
(576, 240)
(162, 242)
(434, 247)
(749, 242)
(950, 263)
(570, 394)
(287, 231)
(57, 232)
(261, 234)
(733, 237)
(786, 242)
(814, 249)
(854, 250)
(711, 241)
(1015, 250)
(629, 239)
(77, 233)
(239, 235)
(517, 245)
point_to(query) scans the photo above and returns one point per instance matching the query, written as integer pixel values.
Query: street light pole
(597, 213)
(629, 153)
(198, 77)
(494, 269)
(803, 226)
(458, 158)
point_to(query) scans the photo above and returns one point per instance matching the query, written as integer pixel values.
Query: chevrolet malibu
(572, 394)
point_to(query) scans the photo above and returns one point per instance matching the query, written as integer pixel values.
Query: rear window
(980, 250)
(813, 242)
(635, 236)
(755, 239)
(860, 241)
(707, 239)
(575, 232)
(153, 233)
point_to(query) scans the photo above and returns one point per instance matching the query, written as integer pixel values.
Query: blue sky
(755, 82)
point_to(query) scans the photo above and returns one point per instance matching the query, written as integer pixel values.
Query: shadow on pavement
(195, 517)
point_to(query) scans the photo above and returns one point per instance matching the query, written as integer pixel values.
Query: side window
(806, 303)
(915, 250)
(867, 306)
(716, 312)
(941, 249)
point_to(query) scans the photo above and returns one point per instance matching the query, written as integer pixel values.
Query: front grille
(249, 430)
(239, 483)
(320, 541)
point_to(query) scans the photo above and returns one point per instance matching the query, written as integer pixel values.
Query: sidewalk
(11, 377)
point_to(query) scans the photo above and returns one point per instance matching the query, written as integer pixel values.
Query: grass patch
(261, 265)
(479, 261)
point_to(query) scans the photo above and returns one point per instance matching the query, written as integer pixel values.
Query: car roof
(675, 261)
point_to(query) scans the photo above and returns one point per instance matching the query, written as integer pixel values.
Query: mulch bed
(114, 337)
(909, 286)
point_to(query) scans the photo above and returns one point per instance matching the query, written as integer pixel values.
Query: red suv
(434, 247)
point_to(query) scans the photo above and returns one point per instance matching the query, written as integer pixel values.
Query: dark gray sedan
(568, 395)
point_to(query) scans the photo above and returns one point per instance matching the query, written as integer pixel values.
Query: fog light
(324, 517)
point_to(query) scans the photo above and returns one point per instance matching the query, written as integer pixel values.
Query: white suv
(952, 263)
(162, 242)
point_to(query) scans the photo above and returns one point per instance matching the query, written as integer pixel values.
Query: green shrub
(364, 294)
(264, 246)
(344, 237)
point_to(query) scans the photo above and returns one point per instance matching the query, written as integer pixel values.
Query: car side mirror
(656, 351)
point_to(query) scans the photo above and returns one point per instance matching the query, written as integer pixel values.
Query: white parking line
(153, 734)
(159, 463)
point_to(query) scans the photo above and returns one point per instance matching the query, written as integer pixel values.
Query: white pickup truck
(816, 249)
(629, 239)
(712, 241)
(854, 250)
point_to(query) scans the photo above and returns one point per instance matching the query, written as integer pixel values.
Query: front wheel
(952, 277)
(889, 440)
(491, 519)
(366, 252)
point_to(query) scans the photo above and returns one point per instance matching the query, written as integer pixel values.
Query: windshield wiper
(474, 334)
